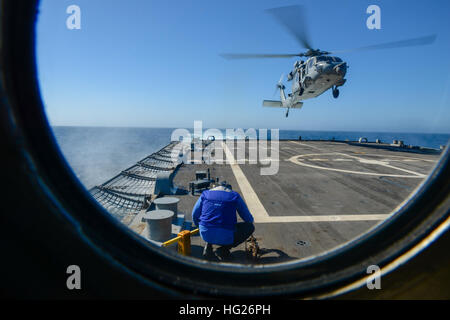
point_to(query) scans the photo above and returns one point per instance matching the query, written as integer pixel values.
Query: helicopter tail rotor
(279, 85)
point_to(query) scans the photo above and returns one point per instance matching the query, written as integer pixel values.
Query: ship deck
(321, 194)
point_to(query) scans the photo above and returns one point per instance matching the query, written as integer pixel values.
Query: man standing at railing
(215, 214)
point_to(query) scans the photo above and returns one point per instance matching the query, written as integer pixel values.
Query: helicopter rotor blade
(293, 18)
(233, 56)
(391, 45)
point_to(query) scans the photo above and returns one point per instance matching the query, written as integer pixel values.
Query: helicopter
(321, 70)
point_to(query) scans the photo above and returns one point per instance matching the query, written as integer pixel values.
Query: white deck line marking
(330, 218)
(251, 198)
(306, 145)
(297, 160)
(374, 155)
(380, 163)
(400, 158)
(260, 214)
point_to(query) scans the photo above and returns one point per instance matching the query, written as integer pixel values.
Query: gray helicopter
(320, 71)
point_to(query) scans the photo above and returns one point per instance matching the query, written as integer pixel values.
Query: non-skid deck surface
(323, 194)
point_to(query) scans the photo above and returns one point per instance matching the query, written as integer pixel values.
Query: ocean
(96, 154)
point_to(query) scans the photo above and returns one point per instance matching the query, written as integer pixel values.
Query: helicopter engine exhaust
(341, 69)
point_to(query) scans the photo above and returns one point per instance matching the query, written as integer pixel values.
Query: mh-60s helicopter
(320, 71)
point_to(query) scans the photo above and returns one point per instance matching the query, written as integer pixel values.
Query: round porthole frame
(416, 223)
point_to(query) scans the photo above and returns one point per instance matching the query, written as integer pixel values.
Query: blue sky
(156, 64)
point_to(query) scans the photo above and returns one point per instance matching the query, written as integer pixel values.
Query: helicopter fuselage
(309, 80)
(315, 76)
(321, 71)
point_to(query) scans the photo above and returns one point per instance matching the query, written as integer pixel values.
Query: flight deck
(323, 194)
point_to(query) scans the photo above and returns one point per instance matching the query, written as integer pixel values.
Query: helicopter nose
(341, 69)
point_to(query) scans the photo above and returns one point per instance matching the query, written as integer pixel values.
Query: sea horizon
(96, 154)
(283, 129)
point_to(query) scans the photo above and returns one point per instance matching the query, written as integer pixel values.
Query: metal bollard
(168, 203)
(159, 224)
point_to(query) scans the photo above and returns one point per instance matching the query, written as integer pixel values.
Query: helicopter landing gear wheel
(287, 112)
(335, 92)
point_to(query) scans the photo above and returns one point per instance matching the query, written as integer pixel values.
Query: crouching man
(215, 214)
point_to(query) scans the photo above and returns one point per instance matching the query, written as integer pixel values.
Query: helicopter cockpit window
(328, 59)
(323, 58)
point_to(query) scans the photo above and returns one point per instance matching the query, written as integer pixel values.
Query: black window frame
(40, 167)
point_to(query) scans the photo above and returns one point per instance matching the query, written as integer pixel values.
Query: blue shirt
(215, 214)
